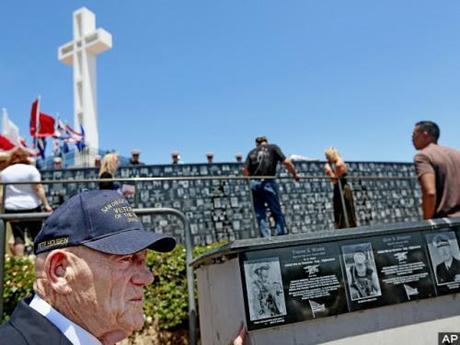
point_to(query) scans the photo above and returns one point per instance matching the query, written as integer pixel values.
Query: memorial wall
(301, 282)
(403, 278)
(221, 209)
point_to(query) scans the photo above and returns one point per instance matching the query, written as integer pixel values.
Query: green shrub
(18, 281)
(166, 300)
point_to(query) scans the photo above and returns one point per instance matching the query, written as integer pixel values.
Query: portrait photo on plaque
(311, 284)
(445, 257)
(361, 271)
(264, 288)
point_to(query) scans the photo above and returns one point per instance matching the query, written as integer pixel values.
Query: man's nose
(143, 276)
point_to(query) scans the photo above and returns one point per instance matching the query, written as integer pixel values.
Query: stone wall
(222, 208)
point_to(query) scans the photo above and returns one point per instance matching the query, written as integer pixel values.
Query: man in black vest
(263, 161)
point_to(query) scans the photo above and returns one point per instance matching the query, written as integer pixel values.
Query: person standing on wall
(337, 170)
(438, 171)
(108, 169)
(263, 161)
(135, 158)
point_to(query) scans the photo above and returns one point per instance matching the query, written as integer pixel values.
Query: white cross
(81, 53)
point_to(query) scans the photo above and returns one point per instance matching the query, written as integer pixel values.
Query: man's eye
(127, 259)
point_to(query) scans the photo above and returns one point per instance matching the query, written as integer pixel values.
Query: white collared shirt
(73, 332)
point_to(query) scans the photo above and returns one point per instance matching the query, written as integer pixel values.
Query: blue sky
(199, 76)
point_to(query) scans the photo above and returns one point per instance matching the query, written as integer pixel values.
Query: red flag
(33, 118)
(6, 144)
(45, 125)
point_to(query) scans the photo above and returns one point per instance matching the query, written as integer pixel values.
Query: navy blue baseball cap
(101, 220)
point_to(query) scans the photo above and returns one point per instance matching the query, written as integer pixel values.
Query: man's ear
(57, 269)
(427, 136)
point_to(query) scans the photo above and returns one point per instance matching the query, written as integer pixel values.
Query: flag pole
(4, 115)
(37, 121)
(37, 116)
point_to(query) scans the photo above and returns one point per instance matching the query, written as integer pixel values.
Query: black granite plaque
(292, 284)
(403, 268)
(386, 270)
(445, 260)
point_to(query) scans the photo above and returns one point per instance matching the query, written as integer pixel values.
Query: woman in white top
(23, 198)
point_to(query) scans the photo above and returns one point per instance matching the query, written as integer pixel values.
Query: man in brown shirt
(438, 171)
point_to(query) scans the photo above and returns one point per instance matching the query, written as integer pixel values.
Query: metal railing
(192, 314)
(369, 209)
(137, 180)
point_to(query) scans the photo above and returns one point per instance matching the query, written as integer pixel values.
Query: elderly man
(438, 171)
(90, 274)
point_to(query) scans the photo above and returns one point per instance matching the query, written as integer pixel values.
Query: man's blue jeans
(265, 194)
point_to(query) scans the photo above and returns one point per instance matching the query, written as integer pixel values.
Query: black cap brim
(132, 241)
